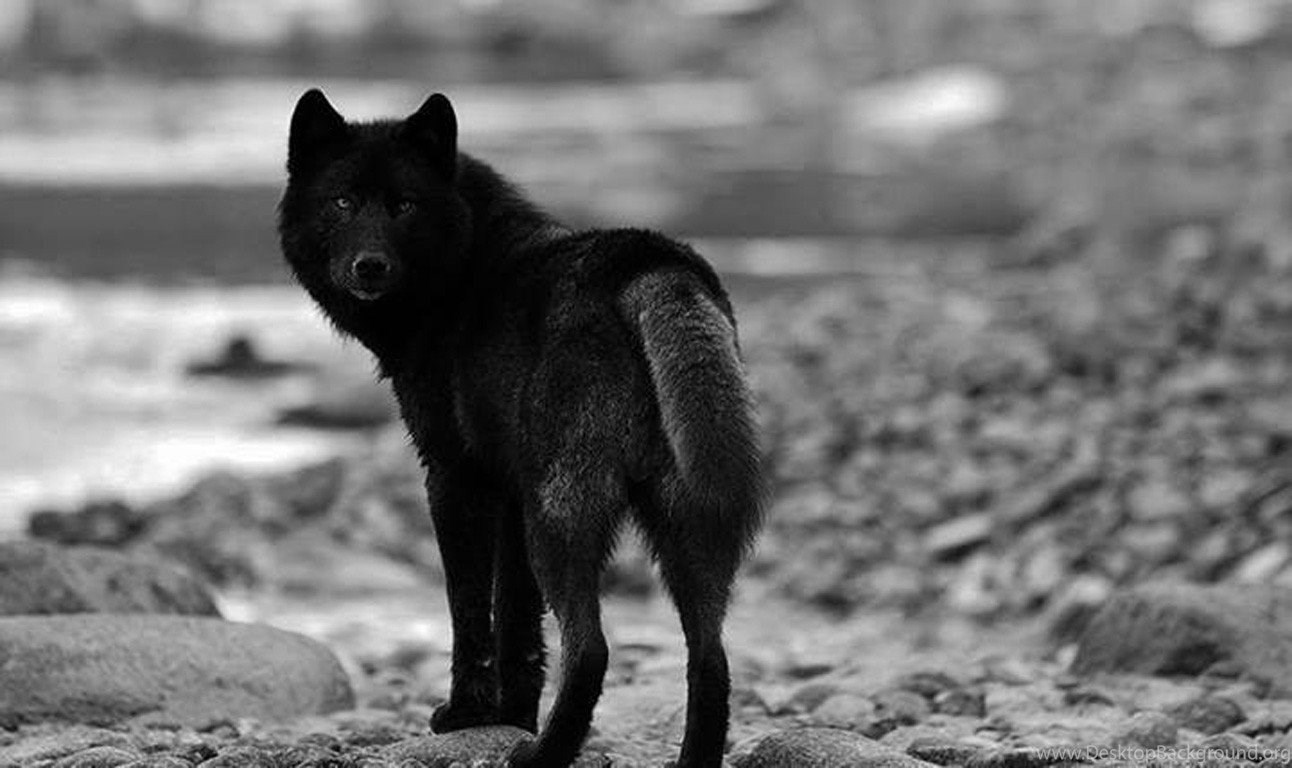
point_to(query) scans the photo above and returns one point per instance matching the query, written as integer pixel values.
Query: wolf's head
(371, 221)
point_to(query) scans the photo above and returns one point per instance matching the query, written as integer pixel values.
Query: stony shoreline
(1159, 671)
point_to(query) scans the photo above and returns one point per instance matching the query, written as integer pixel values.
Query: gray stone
(807, 697)
(844, 710)
(99, 757)
(166, 670)
(467, 747)
(943, 751)
(824, 748)
(1182, 629)
(1147, 730)
(967, 702)
(1232, 744)
(1208, 714)
(928, 683)
(40, 578)
(241, 757)
(356, 404)
(901, 707)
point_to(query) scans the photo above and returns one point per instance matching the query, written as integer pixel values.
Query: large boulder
(102, 669)
(823, 748)
(1183, 629)
(39, 578)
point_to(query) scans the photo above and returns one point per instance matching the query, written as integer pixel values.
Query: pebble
(807, 698)
(240, 757)
(902, 707)
(1148, 730)
(98, 757)
(927, 683)
(967, 702)
(159, 761)
(942, 751)
(844, 710)
(1208, 714)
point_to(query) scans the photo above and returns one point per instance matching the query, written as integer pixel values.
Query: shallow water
(98, 401)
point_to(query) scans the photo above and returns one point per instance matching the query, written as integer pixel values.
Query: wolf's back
(705, 406)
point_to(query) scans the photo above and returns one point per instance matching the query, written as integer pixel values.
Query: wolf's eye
(406, 207)
(342, 203)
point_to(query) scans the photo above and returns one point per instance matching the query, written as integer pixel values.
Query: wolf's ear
(316, 126)
(434, 129)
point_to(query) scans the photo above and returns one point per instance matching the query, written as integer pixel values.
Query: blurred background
(1013, 277)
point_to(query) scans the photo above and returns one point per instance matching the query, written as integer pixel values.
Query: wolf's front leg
(465, 529)
(519, 624)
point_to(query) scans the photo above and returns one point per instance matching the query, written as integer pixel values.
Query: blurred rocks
(38, 578)
(1208, 714)
(962, 702)
(263, 530)
(849, 711)
(343, 405)
(900, 707)
(1020, 443)
(106, 523)
(1181, 629)
(161, 670)
(1147, 730)
(240, 359)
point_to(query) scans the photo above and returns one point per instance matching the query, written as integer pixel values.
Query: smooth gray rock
(241, 757)
(1183, 629)
(823, 748)
(473, 746)
(101, 669)
(1208, 714)
(40, 578)
(99, 757)
(68, 741)
(1147, 730)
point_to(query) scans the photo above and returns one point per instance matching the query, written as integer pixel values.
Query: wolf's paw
(454, 717)
(523, 755)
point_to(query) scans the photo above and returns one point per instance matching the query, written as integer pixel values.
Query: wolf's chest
(468, 414)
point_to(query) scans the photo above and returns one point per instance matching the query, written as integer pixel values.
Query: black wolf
(555, 383)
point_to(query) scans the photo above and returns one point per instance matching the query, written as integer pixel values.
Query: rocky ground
(1162, 675)
(979, 464)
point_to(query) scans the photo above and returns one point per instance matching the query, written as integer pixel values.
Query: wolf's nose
(370, 267)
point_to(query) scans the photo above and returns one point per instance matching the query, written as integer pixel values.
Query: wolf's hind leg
(571, 532)
(698, 561)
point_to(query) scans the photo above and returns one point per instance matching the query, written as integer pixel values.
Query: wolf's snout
(370, 267)
(371, 274)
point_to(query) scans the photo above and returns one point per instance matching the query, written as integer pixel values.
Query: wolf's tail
(705, 406)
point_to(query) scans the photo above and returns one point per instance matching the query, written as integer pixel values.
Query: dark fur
(555, 383)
